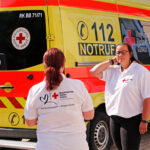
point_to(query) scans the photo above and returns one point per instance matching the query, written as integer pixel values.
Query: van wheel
(99, 138)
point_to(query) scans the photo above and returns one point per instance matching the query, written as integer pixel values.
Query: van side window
(137, 34)
(22, 39)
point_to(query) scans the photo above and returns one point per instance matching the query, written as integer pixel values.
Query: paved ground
(145, 142)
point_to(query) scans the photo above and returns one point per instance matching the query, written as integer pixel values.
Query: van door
(90, 33)
(22, 45)
(90, 36)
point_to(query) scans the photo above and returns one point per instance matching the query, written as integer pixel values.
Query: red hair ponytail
(53, 60)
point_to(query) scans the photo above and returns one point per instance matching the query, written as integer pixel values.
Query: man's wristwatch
(144, 121)
(111, 61)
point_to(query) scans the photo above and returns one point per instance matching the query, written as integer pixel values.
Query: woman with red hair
(59, 106)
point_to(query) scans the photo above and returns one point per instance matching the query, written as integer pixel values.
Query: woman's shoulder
(75, 84)
(141, 71)
(140, 67)
(74, 81)
(38, 87)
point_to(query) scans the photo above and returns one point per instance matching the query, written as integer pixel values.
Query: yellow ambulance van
(87, 31)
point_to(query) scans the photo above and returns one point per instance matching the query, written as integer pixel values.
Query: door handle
(6, 87)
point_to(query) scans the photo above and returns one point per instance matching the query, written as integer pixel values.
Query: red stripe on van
(133, 11)
(89, 4)
(104, 6)
(2, 105)
(53, 2)
(21, 3)
(92, 84)
(14, 102)
(148, 67)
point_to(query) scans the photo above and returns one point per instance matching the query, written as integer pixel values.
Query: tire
(99, 138)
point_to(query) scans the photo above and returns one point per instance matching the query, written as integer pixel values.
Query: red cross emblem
(124, 80)
(129, 39)
(20, 38)
(55, 95)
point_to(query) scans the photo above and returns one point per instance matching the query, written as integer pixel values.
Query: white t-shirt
(125, 91)
(60, 120)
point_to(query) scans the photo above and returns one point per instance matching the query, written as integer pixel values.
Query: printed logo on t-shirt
(47, 98)
(66, 95)
(127, 80)
(55, 95)
(44, 98)
(53, 98)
